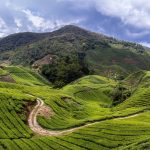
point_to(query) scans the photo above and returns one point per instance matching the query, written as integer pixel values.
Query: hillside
(13, 41)
(103, 55)
(79, 116)
(73, 89)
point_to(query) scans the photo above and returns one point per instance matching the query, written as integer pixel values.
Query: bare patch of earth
(45, 111)
(7, 78)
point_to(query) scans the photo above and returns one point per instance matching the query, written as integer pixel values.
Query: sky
(123, 19)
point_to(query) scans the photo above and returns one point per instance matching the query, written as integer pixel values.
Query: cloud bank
(124, 19)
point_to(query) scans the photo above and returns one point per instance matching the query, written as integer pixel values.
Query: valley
(72, 89)
(74, 75)
(82, 114)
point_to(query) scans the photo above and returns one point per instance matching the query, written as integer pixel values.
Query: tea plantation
(105, 114)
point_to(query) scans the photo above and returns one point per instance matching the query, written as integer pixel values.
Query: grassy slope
(25, 76)
(118, 60)
(82, 101)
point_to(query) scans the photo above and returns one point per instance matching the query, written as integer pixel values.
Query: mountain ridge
(104, 55)
(66, 28)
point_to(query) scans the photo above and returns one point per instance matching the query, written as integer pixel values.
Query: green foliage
(3, 72)
(25, 76)
(11, 124)
(64, 71)
(13, 41)
(88, 99)
(120, 94)
(104, 55)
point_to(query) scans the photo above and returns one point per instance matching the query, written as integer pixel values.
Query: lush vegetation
(64, 71)
(103, 55)
(116, 102)
(88, 99)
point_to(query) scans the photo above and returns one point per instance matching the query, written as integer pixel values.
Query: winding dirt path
(35, 127)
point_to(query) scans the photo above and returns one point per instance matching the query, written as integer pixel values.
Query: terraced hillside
(81, 115)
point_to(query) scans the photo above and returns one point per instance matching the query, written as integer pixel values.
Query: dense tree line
(64, 71)
(120, 94)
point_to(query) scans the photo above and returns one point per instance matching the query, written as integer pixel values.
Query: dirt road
(35, 127)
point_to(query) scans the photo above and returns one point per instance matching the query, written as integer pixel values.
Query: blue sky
(122, 19)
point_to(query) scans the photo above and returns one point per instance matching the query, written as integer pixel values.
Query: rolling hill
(104, 103)
(79, 116)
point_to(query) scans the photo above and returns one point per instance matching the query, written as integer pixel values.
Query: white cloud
(3, 28)
(37, 21)
(131, 12)
(43, 24)
(137, 34)
(145, 44)
(2, 23)
(18, 22)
